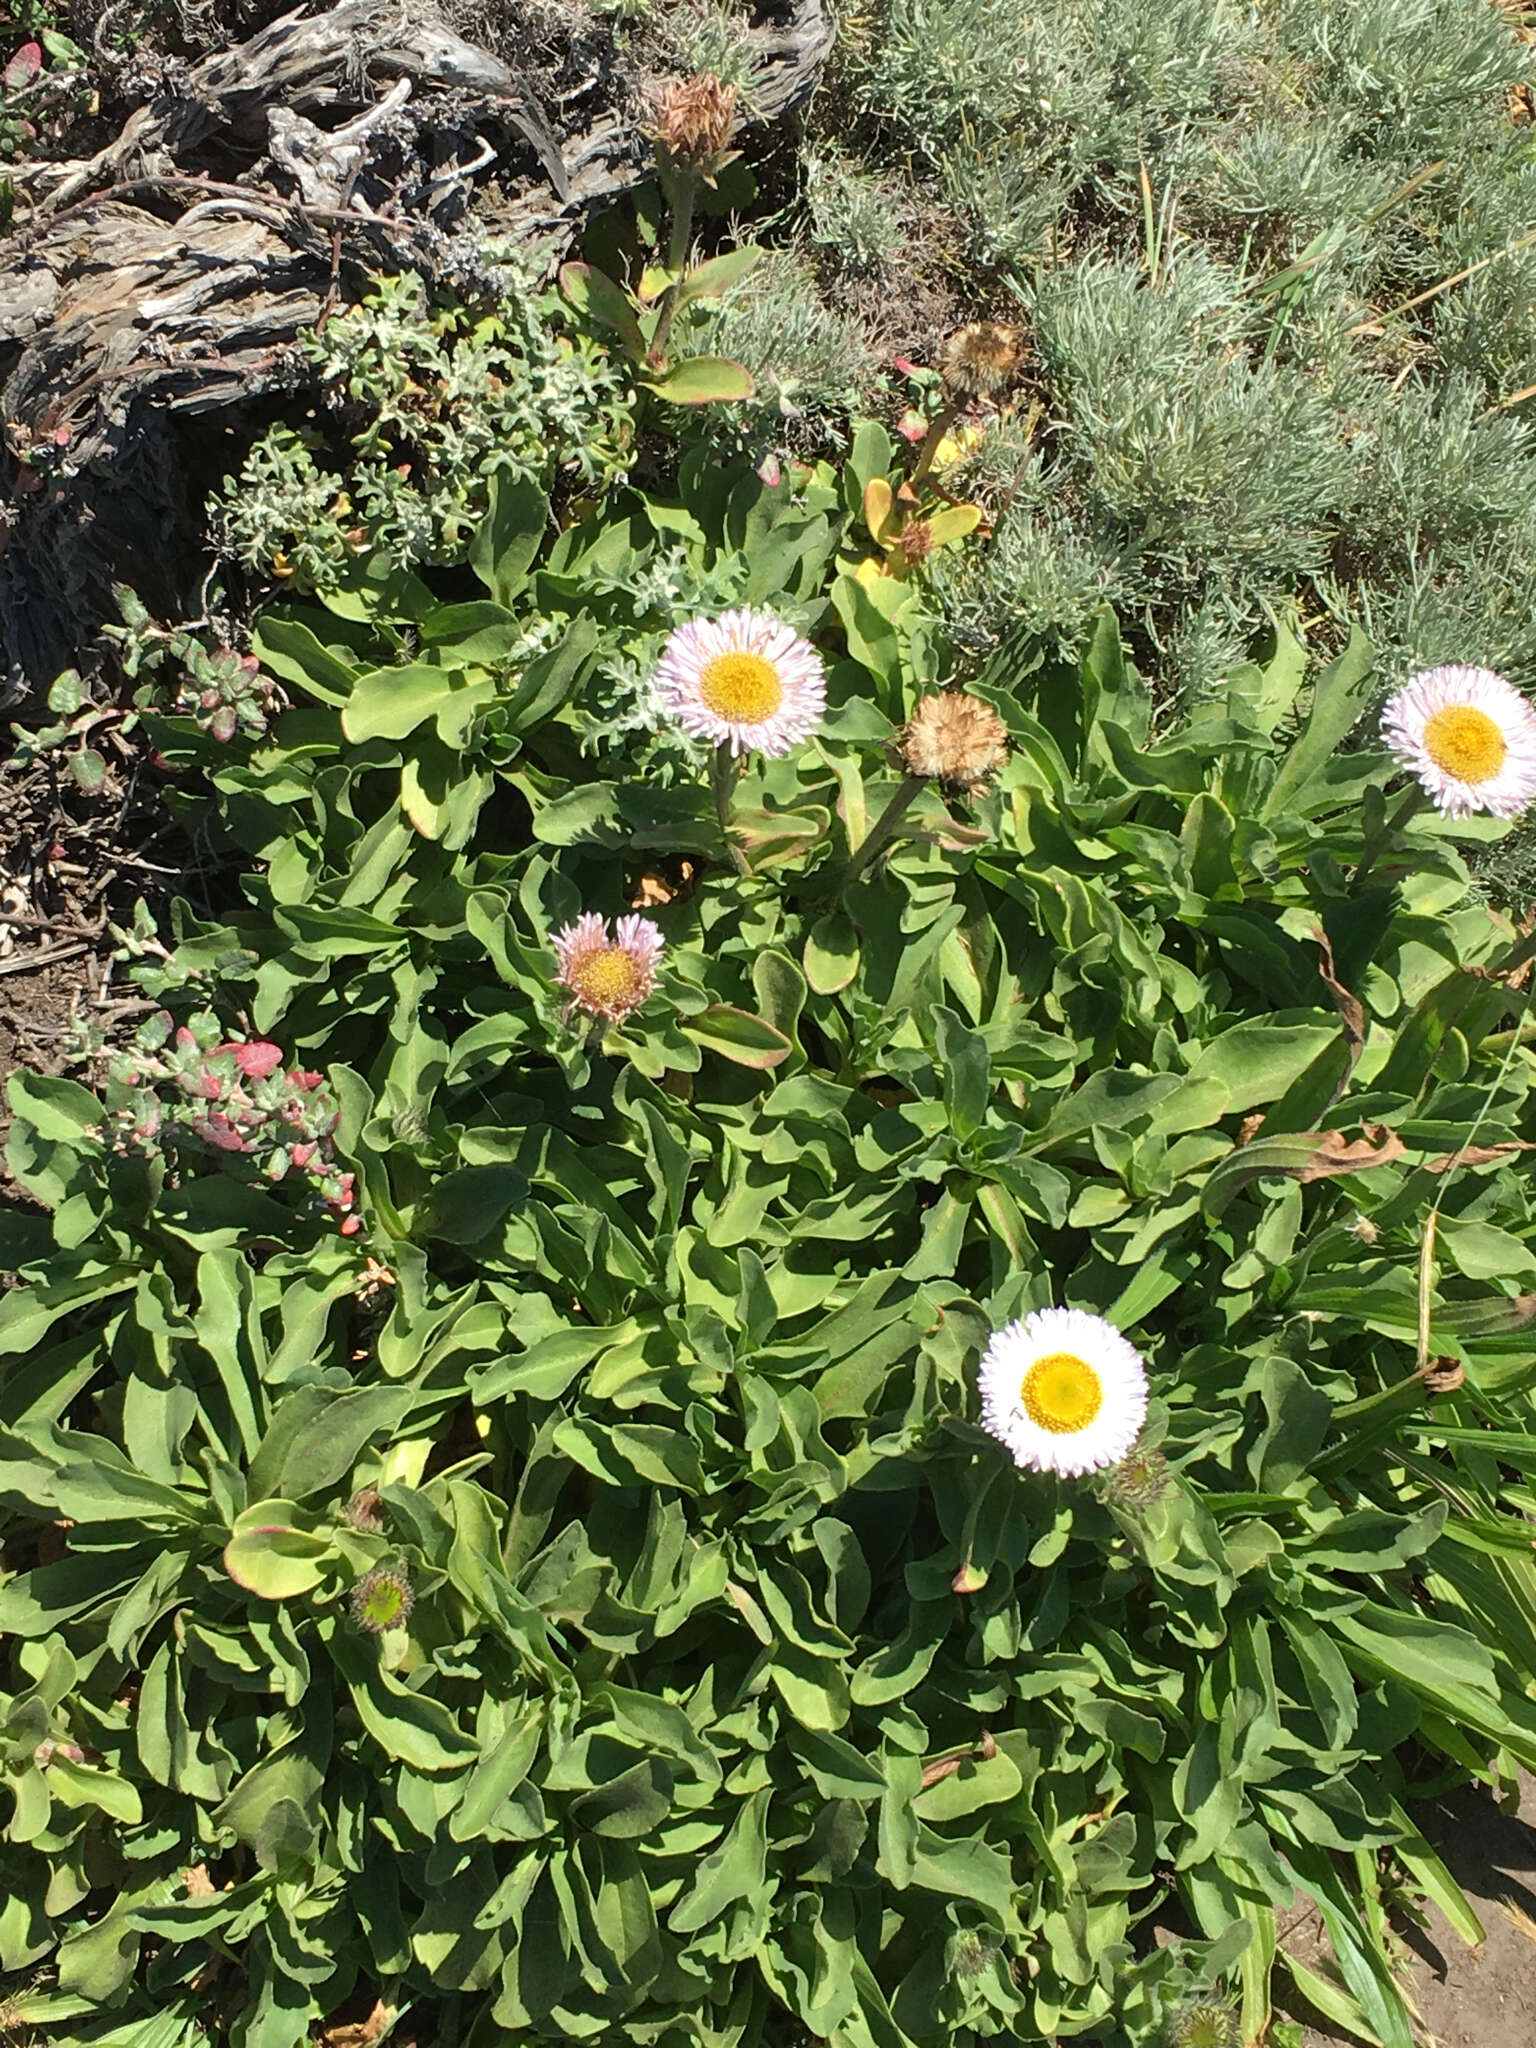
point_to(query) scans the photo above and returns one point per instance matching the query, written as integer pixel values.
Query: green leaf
(56, 1108)
(703, 380)
(510, 535)
(410, 1726)
(628, 1454)
(82, 1785)
(272, 1558)
(322, 1436)
(965, 1072)
(831, 955)
(967, 1790)
(389, 703)
(630, 1806)
(734, 1870)
(1338, 700)
(605, 302)
(739, 1036)
(1390, 1642)
(717, 274)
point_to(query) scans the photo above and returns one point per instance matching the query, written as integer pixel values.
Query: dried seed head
(382, 1599)
(981, 359)
(954, 740)
(694, 117)
(1444, 1376)
(1205, 2024)
(365, 1511)
(917, 540)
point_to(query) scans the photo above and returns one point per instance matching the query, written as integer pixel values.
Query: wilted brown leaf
(1334, 1153)
(671, 882)
(1444, 1375)
(1478, 1155)
(360, 2033)
(1351, 1009)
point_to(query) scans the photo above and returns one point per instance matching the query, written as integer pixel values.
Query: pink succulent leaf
(23, 67)
(256, 1057)
(218, 1130)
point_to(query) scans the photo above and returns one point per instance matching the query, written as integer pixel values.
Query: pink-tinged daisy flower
(1064, 1390)
(608, 977)
(742, 680)
(1469, 737)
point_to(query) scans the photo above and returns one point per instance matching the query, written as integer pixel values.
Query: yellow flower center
(1465, 742)
(609, 980)
(1061, 1393)
(741, 687)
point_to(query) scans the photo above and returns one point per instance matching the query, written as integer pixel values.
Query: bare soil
(72, 866)
(1483, 1997)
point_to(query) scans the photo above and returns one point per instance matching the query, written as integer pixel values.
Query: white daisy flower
(1064, 1391)
(1469, 737)
(607, 978)
(742, 680)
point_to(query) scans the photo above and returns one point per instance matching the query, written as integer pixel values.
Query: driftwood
(138, 293)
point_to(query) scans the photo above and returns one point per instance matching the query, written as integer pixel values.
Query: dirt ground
(72, 865)
(1484, 1997)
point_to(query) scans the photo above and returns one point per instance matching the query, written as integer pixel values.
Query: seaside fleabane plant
(744, 681)
(1468, 737)
(1064, 1390)
(607, 978)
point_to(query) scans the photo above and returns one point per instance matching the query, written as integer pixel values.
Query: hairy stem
(884, 827)
(684, 186)
(1412, 803)
(722, 780)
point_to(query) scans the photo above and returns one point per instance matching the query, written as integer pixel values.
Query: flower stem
(943, 420)
(683, 186)
(1413, 802)
(722, 780)
(883, 828)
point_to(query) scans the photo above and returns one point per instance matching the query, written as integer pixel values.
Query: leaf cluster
(583, 1605)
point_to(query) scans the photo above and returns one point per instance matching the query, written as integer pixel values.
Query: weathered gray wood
(136, 294)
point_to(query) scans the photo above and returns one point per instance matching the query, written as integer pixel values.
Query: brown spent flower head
(1445, 1375)
(981, 359)
(954, 740)
(917, 540)
(365, 1511)
(694, 118)
(382, 1599)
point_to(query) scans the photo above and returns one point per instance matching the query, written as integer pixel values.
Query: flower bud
(1204, 2024)
(382, 1599)
(365, 1511)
